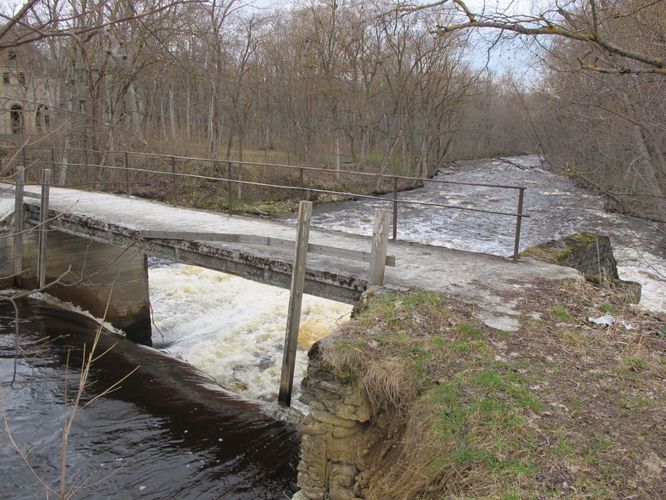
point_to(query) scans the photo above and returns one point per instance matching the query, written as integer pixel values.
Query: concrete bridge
(99, 242)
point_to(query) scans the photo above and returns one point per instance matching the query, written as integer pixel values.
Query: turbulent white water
(232, 328)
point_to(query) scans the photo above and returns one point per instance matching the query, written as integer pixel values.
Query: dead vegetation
(562, 407)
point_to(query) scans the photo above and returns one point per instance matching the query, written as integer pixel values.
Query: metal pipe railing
(170, 163)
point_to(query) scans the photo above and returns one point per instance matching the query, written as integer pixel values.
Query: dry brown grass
(562, 407)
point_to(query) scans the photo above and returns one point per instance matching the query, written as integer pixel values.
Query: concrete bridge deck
(482, 279)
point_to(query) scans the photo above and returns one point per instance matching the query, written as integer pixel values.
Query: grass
(609, 308)
(560, 313)
(559, 408)
(267, 208)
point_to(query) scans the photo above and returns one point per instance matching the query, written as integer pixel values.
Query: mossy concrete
(589, 253)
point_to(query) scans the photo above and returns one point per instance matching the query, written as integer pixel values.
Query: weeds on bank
(561, 407)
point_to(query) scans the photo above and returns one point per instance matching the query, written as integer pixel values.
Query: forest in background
(382, 85)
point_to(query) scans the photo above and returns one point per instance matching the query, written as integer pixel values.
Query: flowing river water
(170, 431)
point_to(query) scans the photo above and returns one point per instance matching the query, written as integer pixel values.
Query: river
(171, 430)
(168, 431)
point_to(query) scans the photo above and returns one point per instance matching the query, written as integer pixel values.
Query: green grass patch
(268, 208)
(609, 308)
(470, 330)
(634, 364)
(560, 313)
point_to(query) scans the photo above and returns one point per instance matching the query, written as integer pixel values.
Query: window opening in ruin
(16, 120)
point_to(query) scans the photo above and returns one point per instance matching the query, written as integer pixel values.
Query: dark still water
(166, 432)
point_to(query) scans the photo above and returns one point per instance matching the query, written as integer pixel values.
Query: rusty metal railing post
(128, 188)
(301, 178)
(173, 178)
(229, 189)
(18, 227)
(519, 223)
(395, 208)
(53, 162)
(43, 227)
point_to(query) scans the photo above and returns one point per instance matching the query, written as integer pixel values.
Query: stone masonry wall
(337, 437)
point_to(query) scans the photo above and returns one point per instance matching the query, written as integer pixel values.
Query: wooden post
(379, 246)
(18, 227)
(127, 175)
(43, 216)
(295, 300)
(519, 223)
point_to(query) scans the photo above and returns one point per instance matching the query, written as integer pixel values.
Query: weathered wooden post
(43, 216)
(295, 301)
(18, 227)
(379, 246)
(519, 223)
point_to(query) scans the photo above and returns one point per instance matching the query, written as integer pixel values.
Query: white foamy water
(233, 329)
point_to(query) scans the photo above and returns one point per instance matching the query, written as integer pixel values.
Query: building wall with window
(25, 99)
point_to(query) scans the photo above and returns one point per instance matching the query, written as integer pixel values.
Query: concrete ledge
(91, 275)
(244, 262)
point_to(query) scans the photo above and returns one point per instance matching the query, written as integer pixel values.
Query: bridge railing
(168, 177)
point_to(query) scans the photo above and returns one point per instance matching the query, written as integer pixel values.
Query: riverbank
(416, 399)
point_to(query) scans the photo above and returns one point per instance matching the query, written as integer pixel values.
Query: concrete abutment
(90, 275)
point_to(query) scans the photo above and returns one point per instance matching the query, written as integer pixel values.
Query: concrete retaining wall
(86, 273)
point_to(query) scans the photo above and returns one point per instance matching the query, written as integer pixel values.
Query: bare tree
(604, 27)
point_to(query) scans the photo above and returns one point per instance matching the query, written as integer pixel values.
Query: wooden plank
(26, 194)
(18, 226)
(249, 239)
(379, 246)
(43, 227)
(295, 302)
